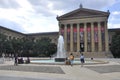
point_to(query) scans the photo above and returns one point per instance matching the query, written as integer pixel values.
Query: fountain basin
(59, 59)
(76, 62)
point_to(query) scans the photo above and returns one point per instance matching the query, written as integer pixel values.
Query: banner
(68, 34)
(103, 34)
(81, 34)
(88, 34)
(75, 34)
(96, 34)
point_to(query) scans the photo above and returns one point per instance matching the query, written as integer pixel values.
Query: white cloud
(40, 15)
(111, 25)
(116, 13)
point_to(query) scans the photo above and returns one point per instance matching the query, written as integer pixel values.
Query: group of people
(70, 60)
(21, 61)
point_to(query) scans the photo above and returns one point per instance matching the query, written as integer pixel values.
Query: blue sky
(33, 16)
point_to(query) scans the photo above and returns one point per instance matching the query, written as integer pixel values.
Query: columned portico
(87, 34)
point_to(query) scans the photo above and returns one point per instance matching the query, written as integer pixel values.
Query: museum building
(84, 30)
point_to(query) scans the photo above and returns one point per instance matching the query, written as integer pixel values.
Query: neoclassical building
(83, 30)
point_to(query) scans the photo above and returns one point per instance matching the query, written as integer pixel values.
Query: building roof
(83, 13)
(1, 27)
(29, 34)
(44, 33)
(114, 30)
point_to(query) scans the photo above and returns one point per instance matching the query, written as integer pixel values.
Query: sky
(37, 16)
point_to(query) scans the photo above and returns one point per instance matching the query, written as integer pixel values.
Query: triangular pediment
(83, 13)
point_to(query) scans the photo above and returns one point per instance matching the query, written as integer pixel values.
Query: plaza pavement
(109, 71)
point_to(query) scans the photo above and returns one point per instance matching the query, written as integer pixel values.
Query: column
(59, 28)
(85, 37)
(106, 38)
(99, 37)
(78, 38)
(92, 38)
(71, 37)
(65, 36)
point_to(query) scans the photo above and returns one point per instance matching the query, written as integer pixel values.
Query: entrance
(82, 47)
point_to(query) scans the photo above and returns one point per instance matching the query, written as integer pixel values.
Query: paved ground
(109, 71)
(22, 78)
(43, 69)
(105, 69)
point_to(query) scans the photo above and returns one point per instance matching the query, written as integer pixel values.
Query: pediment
(83, 13)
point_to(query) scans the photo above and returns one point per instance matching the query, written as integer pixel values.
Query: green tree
(16, 46)
(28, 46)
(44, 47)
(115, 46)
(3, 39)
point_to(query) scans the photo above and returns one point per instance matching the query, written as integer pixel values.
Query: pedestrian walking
(82, 60)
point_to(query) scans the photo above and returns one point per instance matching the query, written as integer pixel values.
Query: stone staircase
(93, 54)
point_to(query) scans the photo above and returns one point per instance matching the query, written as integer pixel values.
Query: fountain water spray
(61, 53)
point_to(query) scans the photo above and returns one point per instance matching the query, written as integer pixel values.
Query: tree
(28, 46)
(3, 39)
(44, 47)
(16, 46)
(115, 46)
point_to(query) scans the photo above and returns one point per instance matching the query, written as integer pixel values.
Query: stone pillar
(65, 36)
(71, 37)
(59, 28)
(99, 38)
(78, 37)
(85, 37)
(106, 38)
(92, 38)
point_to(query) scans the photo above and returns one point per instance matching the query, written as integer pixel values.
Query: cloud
(98, 4)
(9, 4)
(11, 25)
(116, 13)
(59, 7)
(111, 25)
(40, 15)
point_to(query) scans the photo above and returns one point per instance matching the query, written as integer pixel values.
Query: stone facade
(18, 35)
(11, 33)
(85, 30)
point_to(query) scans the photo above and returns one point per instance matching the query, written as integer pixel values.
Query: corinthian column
(99, 37)
(78, 38)
(106, 38)
(59, 28)
(71, 37)
(85, 37)
(65, 36)
(92, 38)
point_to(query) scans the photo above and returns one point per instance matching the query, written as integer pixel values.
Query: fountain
(61, 56)
(61, 53)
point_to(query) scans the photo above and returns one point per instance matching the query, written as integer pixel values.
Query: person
(16, 61)
(82, 60)
(71, 59)
(67, 61)
(28, 60)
